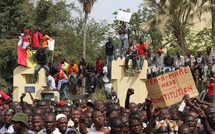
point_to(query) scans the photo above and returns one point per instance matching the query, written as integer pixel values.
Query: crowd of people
(51, 117)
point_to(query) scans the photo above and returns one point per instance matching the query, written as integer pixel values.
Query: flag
(25, 57)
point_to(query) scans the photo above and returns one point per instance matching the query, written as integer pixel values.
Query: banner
(123, 16)
(51, 45)
(169, 88)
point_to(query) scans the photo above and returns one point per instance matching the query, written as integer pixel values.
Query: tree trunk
(213, 20)
(84, 35)
(84, 49)
(182, 44)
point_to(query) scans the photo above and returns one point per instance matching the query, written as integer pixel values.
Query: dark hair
(133, 119)
(186, 116)
(72, 61)
(37, 114)
(209, 48)
(133, 114)
(114, 119)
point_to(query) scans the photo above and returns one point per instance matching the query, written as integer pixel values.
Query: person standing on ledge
(110, 49)
(123, 39)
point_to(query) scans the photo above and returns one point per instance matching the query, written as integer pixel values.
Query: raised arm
(130, 92)
(32, 98)
(23, 105)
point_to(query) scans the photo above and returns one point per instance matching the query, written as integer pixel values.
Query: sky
(103, 9)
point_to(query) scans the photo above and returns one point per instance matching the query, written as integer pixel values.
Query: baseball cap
(21, 117)
(212, 78)
(159, 50)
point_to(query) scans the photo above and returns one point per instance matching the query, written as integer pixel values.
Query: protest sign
(169, 88)
(51, 45)
(123, 16)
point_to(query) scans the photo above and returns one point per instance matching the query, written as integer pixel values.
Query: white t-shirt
(52, 82)
(105, 71)
(5, 130)
(94, 131)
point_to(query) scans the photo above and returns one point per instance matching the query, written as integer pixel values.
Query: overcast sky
(103, 9)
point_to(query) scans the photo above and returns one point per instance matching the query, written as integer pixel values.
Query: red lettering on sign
(176, 73)
(165, 96)
(171, 75)
(162, 78)
(178, 92)
(186, 70)
(155, 80)
(174, 82)
(190, 88)
(181, 71)
(151, 80)
(171, 94)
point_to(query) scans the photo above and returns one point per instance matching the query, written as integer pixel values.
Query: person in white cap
(62, 123)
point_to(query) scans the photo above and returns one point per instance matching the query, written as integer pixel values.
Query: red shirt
(211, 87)
(36, 39)
(4, 96)
(99, 66)
(61, 74)
(141, 50)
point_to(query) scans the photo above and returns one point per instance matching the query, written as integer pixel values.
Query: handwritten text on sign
(168, 89)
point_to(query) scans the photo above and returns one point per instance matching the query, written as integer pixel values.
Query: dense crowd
(50, 117)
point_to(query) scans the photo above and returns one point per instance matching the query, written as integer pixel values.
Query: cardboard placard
(169, 88)
(123, 16)
(51, 45)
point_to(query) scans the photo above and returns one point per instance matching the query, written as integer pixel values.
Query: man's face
(50, 123)
(7, 117)
(190, 121)
(135, 127)
(71, 63)
(58, 111)
(62, 124)
(141, 40)
(66, 111)
(133, 107)
(164, 115)
(126, 112)
(199, 53)
(178, 53)
(44, 32)
(30, 124)
(130, 42)
(17, 126)
(27, 111)
(35, 29)
(174, 114)
(76, 114)
(88, 114)
(98, 118)
(125, 122)
(42, 105)
(210, 113)
(99, 106)
(37, 123)
(116, 107)
(168, 54)
(89, 108)
(113, 114)
(18, 109)
(188, 53)
(116, 127)
(110, 103)
(109, 39)
(143, 116)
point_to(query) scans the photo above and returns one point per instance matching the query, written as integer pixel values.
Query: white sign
(51, 45)
(123, 16)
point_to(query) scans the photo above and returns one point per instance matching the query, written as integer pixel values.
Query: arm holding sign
(130, 92)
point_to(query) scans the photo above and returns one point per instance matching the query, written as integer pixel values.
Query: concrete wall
(20, 85)
(121, 83)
